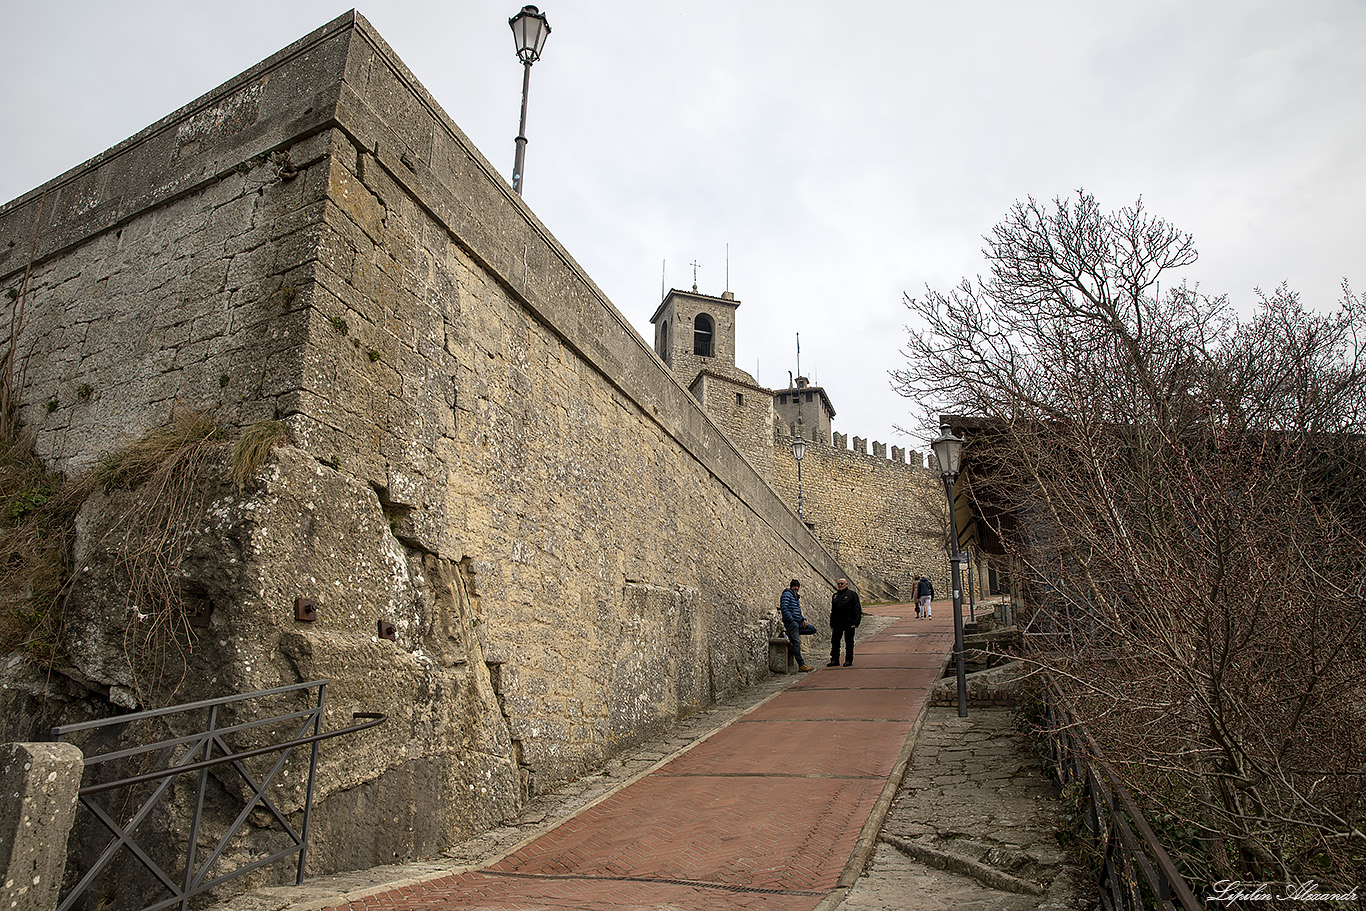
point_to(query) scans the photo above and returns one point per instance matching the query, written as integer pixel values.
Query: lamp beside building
(948, 452)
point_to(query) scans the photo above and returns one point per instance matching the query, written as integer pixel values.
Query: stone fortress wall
(744, 412)
(485, 453)
(883, 518)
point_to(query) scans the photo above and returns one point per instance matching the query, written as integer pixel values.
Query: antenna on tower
(799, 354)
(728, 267)
(662, 280)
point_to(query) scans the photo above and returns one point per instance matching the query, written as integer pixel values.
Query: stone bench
(780, 660)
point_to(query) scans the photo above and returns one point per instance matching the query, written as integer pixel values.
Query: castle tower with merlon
(808, 405)
(695, 337)
(882, 518)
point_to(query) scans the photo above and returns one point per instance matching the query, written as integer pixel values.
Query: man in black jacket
(924, 594)
(846, 613)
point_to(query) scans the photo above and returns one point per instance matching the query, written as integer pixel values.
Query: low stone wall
(1003, 685)
(38, 785)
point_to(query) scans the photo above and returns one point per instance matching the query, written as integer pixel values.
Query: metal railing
(196, 753)
(1135, 872)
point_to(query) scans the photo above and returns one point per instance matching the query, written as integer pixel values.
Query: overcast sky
(845, 154)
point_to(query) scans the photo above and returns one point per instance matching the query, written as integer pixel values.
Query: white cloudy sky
(845, 153)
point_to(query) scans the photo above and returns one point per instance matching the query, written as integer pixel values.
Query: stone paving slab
(886, 660)
(890, 646)
(892, 659)
(865, 678)
(786, 835)
(974, 823)
(754, 832)
(818, 704)
(540, 815)
(491, 892)
(845, 748)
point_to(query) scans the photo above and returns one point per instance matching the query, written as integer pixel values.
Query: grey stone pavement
(972, 826)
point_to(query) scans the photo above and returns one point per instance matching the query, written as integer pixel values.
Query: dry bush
(170, 466)
(253, 448)
(1188, 492)
(36, 510)
(175, 470)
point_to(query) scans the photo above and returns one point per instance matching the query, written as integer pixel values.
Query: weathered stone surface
(484, 453)
(974, 825)
(1001, 684)
(38, 785)
(993, 639)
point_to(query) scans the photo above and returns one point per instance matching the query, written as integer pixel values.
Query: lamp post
(972, 586)
(798, 452)
(948, 451)
(529, 30)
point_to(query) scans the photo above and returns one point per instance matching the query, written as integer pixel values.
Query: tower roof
(806, 387)
(733, 375)
(727, 299)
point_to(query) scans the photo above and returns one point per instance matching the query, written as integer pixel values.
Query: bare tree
(1189, 491)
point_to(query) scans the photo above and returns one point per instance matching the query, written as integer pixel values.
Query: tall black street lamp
(529, 30)
(798, 452)
(972, 585)
(948, 451)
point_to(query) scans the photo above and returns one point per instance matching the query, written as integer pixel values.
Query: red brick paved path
(766, 813)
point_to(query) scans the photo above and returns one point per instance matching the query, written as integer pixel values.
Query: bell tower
(695, 331)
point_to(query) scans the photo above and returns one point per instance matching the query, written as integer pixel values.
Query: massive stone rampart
(883, 519)
(485, 453)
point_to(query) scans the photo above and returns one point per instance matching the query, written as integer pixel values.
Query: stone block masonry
(485, 453)
(885, 520)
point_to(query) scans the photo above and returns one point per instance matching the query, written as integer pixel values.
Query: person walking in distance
(924, 593)
(790, 606)
(846, 613)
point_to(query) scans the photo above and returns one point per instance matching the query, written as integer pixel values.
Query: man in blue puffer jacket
(790, 606)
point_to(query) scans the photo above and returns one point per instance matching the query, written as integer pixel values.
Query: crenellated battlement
(881, 517)
(899, 454)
